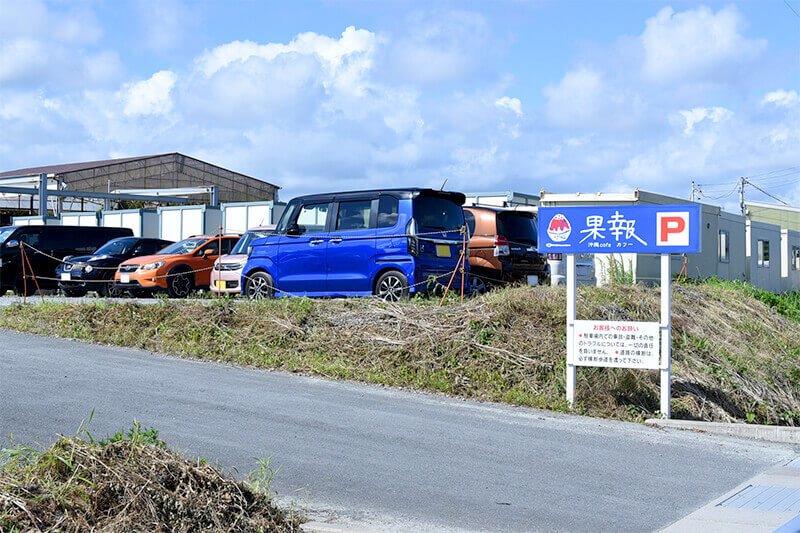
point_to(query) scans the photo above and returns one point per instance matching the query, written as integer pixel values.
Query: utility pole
(692, 196)
(742, 181)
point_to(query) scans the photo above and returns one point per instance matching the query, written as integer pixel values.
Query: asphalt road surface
(362, 456)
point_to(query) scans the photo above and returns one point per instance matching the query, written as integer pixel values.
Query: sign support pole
(666, 336)
(571, 315)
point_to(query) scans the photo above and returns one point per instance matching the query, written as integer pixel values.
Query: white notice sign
(616, 344)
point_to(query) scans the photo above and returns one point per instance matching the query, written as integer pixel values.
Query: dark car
(503, 247)
(95, 272)
(45, 248)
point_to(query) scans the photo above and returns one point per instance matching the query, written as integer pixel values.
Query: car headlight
(153, 266)
(88, 268)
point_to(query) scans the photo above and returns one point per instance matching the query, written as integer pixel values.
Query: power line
(790, 7)
(768, 194)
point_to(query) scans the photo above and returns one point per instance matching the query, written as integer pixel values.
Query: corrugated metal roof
(86, 165)
(73, 167)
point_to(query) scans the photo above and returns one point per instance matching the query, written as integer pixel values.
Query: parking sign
(638, 229)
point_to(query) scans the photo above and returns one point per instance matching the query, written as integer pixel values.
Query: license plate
(66, 276)
(219, 284)
(443, 250)
(533, 281)
(124, 278)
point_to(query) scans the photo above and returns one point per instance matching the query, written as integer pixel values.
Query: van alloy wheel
(259, 286)
(392, 287)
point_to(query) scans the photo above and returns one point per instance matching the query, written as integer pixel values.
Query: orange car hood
(144, 259)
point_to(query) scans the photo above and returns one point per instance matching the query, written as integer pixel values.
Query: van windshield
(288, 214)
(182, 247)
(437, 214)
(5, 233)
(247, 238)
(517, 228)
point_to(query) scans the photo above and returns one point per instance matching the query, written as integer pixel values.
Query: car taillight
(554, 257)
(412, 241)
(501, 246)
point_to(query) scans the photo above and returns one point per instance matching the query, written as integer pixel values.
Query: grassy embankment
(130, 482)
(735, 349)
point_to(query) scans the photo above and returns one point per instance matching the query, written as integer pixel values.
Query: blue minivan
(387, 243)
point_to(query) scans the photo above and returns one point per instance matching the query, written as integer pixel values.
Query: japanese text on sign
(616, 344)
(620, 229)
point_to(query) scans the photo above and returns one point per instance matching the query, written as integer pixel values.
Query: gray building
(162, 171)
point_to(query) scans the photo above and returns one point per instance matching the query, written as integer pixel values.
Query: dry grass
(127, 485)
(734, 358)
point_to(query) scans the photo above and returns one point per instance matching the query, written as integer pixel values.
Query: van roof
(411, 192)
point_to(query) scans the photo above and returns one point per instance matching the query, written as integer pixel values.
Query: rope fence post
(24, 273)
(463, 255)
(33, 274)
(219, 258)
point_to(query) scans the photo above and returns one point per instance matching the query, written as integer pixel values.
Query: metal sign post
(620, 229)
(666, 336)
(571, 315)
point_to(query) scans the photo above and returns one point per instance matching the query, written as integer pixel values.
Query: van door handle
(337, 240)
(316, 241)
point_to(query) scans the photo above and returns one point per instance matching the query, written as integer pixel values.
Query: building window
(763, 254)
(795, 258)
(724, 247)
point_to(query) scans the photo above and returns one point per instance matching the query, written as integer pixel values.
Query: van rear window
(434, 213)
(519, 228)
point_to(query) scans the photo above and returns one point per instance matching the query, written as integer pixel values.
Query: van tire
(392, 286)
(259, 286)
(19, 286)
(180, 283)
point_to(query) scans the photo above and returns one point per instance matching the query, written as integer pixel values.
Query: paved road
(364, 455)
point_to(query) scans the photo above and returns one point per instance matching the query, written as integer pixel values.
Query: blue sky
(492, 95)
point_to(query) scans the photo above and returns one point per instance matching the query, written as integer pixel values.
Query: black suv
(96, 272)
(46, 247)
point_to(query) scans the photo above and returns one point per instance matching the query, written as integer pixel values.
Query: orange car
(179, 268)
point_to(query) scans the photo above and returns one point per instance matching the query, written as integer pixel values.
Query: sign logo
(672, 229)
(559, 228)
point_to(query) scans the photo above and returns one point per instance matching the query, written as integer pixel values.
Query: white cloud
(438, 47)
(151, 96)
(782, 98)
(698, 114)
(696, 44)
(512, 104)
(40, 45)
(583, 99)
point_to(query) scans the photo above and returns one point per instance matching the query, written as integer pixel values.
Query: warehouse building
(162, 171)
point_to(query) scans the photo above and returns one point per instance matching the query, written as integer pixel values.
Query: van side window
(312, 218)
(353, 215)
(388, 207)
(469, 217)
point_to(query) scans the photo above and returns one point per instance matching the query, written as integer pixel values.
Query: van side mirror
(294, 230)
(12, 244)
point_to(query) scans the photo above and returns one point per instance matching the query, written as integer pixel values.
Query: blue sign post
(620, 229)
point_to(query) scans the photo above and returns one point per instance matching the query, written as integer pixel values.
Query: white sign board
(616, 344)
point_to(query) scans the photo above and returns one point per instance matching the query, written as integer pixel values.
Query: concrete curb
(783, 434)
(321, 527)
